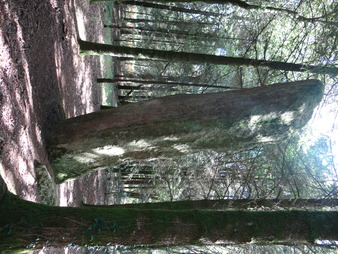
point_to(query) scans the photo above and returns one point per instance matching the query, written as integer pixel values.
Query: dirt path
(43, 79)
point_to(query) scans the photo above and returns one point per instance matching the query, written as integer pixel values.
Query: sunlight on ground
(24, 104)
(139, 145)
(21, 129)
(85, 157)
(84, 81)
(183, 148)
(109, 150)
(84, 72)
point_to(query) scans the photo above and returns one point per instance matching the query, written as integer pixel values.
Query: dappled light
(109, 150)
(183, 148)
(19, 123)
(25, 109)
(168, 127)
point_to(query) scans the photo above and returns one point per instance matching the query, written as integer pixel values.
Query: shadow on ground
(43, 80)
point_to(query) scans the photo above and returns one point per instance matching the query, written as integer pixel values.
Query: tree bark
(175, 125)
(91, 48)
(25, 224)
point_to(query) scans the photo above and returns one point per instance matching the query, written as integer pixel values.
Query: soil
(43, 80)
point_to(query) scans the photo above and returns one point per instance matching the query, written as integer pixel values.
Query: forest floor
(43, 79)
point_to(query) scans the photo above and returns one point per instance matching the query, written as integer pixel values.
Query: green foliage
(271, 171)
(281, 31)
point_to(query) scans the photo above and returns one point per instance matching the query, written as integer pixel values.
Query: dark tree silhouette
(24, 223)
(91, 48)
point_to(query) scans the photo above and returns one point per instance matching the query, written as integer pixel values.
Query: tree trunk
(168, 22)
(160, 77)
(170, 33)
(175, 125)
(209, 43)
(168, 7)
(159, 82)
(91, 48)
(140, 87)
(25, 224)
(244, 5)
(239, 204)
(136, 97)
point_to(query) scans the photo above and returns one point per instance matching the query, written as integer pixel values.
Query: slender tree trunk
(240, 204)
(138, 59)
(122, 87)
(136, 97)
(160, 77)
(168, 22)
(186, 33)
(175, 37)
(169, 8)
(158, 82)
(244, 5)
(181, 39)
(179, 34)
(211, 44)
(25, 223)
(91, 48)
(175, 125)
